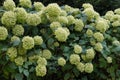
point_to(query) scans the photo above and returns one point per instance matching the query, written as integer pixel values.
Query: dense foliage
(39, 42)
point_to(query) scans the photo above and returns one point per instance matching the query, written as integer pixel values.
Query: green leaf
(26, 73)
(16, 42)
(67, 76)
(50, 41)
(19, 77)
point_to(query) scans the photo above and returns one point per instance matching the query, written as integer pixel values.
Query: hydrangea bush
(40, 42)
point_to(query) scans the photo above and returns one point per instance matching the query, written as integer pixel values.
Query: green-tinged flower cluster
(90, 54)
(109, 15)
(56, 44)
(53, 10)
(15, 38)
(46, 54)
(38, 40)
(77, 49)
(109, 59)
(101, 25)
(61, 61)
(27, 42)
(88, 67)
(71, 19)
(98, 36)
(9, 19)
(117, 11)
(87, 5)
(9, 4)
(3, 33)
(18, 30)
(33, 19)
(63, 20)
(89, 33)
(78, 25)
(55, 25)
(98, 47)
(61, 34)
(12, 53)
(41, 70)
(25, 3)
(19, 61)
(21, 50)
(38, 6)
(74, 59)
(42, 61)
(21, 14)
(116, 43)
(80, 66)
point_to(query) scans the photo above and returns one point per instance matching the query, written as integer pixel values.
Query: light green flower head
(98, 36)
(87, 5)
(56, 44)
(90, 13)
(63, 20)
(101, 26)
(38, 6)
(90, 54)
(18, 30)
(109, 15)
(15, 38)
(19, 61)
(61, 61)
(98, 47)
(109, 59)
(9, 4)
(43, 17)
(74, 59)
(116, 23)
(117, 11)
(40, 70)
(89, 33)
(77, 49)
(33, 19)
(21, 50)
(21, 14)
(12, 52)
(80, 66)
(88, 67)
(68, 8)
(25, 3)
(61, 34)
(38, 40)
(3, 33)
(42, 61)
(27, 42)
(115, 17)
(53, 10)
(116, 43)
(46, 54)
(78, 25)
(63, 13)
(54, 26)
(9, 19)
(71, 19)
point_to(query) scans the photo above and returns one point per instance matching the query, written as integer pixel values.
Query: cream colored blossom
(25, 3)
(18, 30)
(98, 47)
(38, 6)
(77, 49)
(88, 67)
(98, 36)
(19, 61)
(74, 59)
(12, 52)
(33, 19)
(42, 61)
(80, 66)
(27, 42)
(9, 19)
(40, 70)
(61, 61)
(46, 54)
(3, 33)
(9, 4)
(38, 40)
(78, 25)
(55, 25)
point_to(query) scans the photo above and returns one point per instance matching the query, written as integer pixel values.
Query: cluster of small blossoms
(62, 22)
